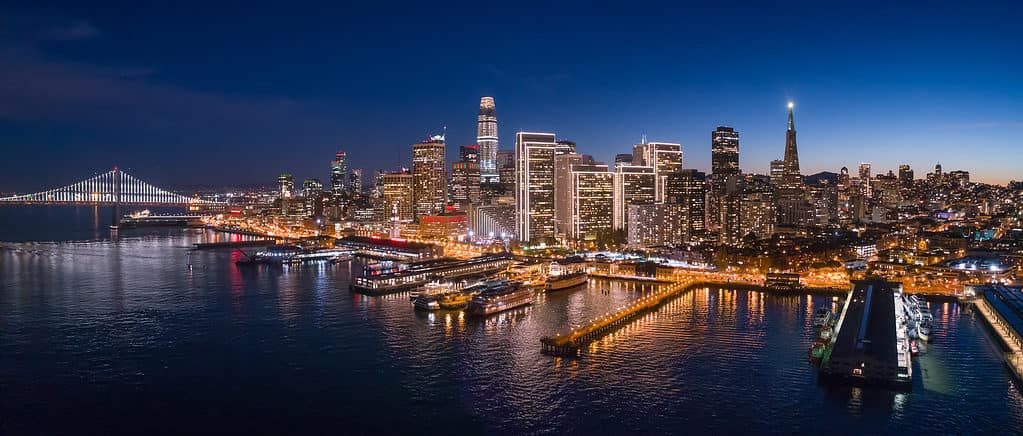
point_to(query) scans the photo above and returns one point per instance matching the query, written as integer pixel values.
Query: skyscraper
(757, 210)
(397, 195)
(591, 200)
(486, 137)
(355, 181)
(338, 173)
(465, 178)
(791, 182)
(793, 206)
(429, 176)
(689, 187)
(583, 191)
(666, 159)
(534, 186)
(865, 188)
(286, 186)
(632, 185)
(312, 191)
(905, 176)
(724, 151)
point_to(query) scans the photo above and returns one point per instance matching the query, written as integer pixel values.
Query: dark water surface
(105, 336)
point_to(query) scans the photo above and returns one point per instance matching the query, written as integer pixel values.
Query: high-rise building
(652, 225)
(777, 169)
(486, 138)
(534, 186)
(397, 193)
(286, 186)
(844, 197)
(689, 187)
(338, 173)
(563, 164)
(905, 176)
(890, 190)
(632, 185)
(730, 211)
(757, 210)
(666, 159)
(959, 178)
(639, 153)
(430, 176)
(312, 191)
(623, 159)
(791, 178)
(824, 198)
(564, 146)
(465, 184)
(469, 153)
(355, 181)
(465, 177)
(506, 170)
(588, 194)
(865, 188)
(793, 207)
(724, 151)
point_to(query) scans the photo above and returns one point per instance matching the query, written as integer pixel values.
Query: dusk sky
(197, 95)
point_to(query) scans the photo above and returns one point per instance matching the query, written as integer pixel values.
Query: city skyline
(91, 92)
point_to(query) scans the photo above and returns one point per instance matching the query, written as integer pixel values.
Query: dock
(1002, 308)
(233, 244)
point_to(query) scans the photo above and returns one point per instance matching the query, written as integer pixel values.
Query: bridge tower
(116, 220)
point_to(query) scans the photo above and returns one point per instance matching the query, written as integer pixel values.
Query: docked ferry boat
(499, 296)
(565, 281)
(293, 254)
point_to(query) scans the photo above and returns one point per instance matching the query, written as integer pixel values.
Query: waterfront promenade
(1011, 338)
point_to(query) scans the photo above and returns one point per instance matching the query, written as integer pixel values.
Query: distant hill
(814, 179)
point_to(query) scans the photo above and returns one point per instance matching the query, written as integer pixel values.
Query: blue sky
(239, 95)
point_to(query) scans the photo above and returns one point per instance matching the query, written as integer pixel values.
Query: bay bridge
(112, 188)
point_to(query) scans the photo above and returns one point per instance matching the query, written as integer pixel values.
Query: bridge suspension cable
(112, 187)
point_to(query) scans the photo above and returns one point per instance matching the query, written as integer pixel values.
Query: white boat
(822, 317)
(923, 330)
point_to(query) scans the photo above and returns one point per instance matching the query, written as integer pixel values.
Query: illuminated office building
(534, 186)
(689, 187)
(338, 173)
(465, 178)
(632, 185)
(286, 186)
(398, 193)
(429, 176)
(585, 190)
(486, 138)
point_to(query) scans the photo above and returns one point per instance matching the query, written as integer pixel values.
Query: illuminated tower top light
(791, 105)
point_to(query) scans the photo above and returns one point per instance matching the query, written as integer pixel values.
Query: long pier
(572, 343)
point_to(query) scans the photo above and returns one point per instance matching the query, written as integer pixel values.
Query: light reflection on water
(93, 328)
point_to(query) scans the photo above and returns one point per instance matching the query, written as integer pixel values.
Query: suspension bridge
(112, 188)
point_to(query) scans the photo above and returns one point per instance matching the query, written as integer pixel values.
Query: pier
(233, 244)
(1002, 308)
(572, 343)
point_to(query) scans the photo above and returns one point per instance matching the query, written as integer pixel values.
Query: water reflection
(89, 319)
